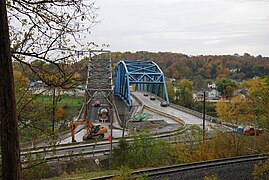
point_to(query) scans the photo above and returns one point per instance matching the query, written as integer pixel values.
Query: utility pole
(53, 111)
(204, 118)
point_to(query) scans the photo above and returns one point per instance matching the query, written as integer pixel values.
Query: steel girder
(98, 84)
(146, 75)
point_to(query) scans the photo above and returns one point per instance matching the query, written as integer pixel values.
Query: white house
(213, 94)
(212, 86)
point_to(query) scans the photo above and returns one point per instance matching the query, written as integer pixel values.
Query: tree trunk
(11, 167)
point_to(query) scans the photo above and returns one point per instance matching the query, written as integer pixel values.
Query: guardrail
(87, 152)
(71, 155)
(88, 145)
(60, 136)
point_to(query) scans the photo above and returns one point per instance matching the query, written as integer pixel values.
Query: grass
(70, 104)
(69, 101)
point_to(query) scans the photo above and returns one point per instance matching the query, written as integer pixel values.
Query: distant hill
(179, 66)
(200, 69)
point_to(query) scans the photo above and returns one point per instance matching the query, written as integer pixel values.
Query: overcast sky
(191, 27)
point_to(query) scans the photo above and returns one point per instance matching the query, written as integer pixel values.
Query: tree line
(180, 66)
(199, 69)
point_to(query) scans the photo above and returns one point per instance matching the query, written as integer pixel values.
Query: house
(199, 96)
(212, 86)
(170, 79)
(256, 77)
(175, 90)
(213, 94)
(240, 91)
(236, 70)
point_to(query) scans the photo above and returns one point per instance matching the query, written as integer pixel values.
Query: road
(117, 132)
(155, 104)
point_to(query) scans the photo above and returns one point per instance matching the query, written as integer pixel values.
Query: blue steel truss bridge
(144, 76)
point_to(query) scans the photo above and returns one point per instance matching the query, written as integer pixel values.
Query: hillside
(199, 69)
(178, 66)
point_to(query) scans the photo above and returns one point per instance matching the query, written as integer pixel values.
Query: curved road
(155, 104)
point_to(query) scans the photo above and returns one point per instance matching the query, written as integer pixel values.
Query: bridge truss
(98, 84)
(144, 75)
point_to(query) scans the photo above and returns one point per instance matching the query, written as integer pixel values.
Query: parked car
(152, 98)
(251, 130)
(146, 94)
(164, 104)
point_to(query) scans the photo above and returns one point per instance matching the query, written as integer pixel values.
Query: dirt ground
(143, 125)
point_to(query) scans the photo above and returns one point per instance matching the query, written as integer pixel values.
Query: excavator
(93, 131)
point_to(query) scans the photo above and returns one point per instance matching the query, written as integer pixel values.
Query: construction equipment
(93, 131)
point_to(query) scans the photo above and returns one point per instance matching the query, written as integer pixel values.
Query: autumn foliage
(60, 113)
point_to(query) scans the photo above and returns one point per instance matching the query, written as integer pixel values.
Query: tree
(32, 111)
(226, 87)
(170, 90)
(258, 96)
(199, 82)
(10, 150)
(144, 151)
(47, 31)
(194, 147)
(261, 171)
(60, 113)
(48, 37)
(236, 112)
(184, 93)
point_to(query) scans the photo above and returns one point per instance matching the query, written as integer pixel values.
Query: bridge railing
(195, 113)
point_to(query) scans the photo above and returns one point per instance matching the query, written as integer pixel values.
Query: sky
(192, 27)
